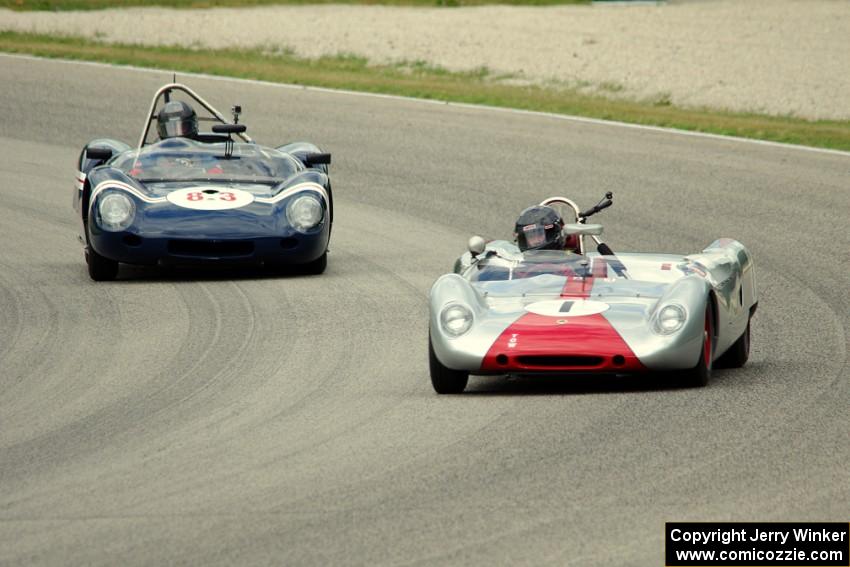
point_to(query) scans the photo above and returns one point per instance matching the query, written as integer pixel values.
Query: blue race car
(184, 196)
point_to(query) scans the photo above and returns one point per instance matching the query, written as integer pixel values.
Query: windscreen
(188, 160)
(534, 263)
(546, 272)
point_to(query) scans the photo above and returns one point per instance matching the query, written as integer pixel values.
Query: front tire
(738, 353)
(699, 375)
(101, 269)
(317, 266)
(443, 379)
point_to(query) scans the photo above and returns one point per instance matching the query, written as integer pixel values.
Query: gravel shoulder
(779, 57)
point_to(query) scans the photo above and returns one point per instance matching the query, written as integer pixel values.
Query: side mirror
(101, 154)
(476, 245)
(583, 229)
(317, 159)
(229, 128)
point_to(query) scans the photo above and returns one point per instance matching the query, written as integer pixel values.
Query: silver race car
(547, 304)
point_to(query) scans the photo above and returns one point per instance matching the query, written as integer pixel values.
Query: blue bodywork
(163, 233)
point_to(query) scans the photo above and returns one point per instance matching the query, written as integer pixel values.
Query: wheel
(101, 269)
(738, 353)
(697, 377)
(445, 380)
(315, 267)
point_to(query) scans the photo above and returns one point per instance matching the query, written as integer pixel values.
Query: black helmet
(539, 228)
(177, 119)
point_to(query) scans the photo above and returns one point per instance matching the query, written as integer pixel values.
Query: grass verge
(423, 81)
(56, 5)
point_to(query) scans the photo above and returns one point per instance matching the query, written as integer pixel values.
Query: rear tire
(699, 375)
(738, 353)
(317, 266)
(443, 379)
(101, 269)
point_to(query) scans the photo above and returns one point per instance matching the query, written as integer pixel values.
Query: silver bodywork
(723, 273)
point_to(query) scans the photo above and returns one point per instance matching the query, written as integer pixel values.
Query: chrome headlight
(304, 213)
(116, 211)
(456, 319)
(670, 319)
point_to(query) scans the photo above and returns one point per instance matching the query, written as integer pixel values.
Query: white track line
(568, 117)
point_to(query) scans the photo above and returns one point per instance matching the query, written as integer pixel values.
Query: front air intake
(560, 361)
(211, 248)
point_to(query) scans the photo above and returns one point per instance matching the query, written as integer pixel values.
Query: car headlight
(304, 213)
(670, 319)
(116, 211)
(456, 319)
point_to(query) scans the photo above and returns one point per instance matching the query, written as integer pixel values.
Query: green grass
(418, 79)
(100, 4)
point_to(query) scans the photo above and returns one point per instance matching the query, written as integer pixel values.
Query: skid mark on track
(11, 323)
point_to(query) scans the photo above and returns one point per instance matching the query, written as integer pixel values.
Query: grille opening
(618, 360)
(502, 359)
(211, 248)
(132, 240)
(288, 243)
(560, 361)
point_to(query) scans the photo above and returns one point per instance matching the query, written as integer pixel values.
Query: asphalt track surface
(242, 418)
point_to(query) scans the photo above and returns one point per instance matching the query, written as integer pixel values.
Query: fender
(82, 185)
(300, 151)
(312, 176)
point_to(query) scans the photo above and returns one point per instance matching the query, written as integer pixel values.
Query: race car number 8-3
(210, 198)
(198, 196)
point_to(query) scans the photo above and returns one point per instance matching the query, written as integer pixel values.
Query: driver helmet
(177, 119)
(539, 228)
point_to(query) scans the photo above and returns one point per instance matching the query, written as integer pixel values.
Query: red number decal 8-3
(195, 196)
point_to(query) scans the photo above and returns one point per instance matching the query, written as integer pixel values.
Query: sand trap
(788, 57)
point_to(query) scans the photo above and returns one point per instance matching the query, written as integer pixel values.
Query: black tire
(315, 267)
(699, 375)
(738, 353)
(101, 269)
(445, 380)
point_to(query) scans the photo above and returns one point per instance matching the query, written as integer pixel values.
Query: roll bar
(166, 92)
(581, 216)
(572, 204)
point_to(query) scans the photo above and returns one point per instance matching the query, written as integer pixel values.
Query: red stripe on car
(539, 343)
(577, 287)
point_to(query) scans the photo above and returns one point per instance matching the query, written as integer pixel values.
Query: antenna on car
(236, 110)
